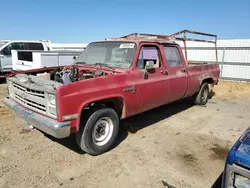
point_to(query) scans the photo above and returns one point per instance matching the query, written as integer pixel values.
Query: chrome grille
(32, 99)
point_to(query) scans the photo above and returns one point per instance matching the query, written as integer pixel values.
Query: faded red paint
(157, 90)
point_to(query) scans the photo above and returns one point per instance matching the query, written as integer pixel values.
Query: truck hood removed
(58, 77)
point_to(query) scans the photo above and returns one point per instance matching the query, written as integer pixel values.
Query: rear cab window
(33, 46)
(172, 55)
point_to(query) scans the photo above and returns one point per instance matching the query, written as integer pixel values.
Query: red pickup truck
(109, 81)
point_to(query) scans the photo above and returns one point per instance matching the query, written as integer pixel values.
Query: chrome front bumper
(45, 124)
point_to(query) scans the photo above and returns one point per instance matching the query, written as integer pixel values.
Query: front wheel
(99, 133)
(203, 94)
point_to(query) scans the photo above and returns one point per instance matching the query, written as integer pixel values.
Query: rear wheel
(203, 94)
(99, 133)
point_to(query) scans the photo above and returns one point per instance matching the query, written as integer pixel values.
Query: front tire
(203, 94)
(99, 133)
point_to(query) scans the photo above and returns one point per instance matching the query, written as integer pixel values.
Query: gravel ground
(178, 145)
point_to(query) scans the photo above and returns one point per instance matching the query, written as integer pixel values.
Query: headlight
(52, 99)
(241, 182)
(52, 109)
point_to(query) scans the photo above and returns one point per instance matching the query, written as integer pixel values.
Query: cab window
(33, 46)
(148, 54)
(12, 46)
(173, 56)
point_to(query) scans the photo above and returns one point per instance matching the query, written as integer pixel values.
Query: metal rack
(172, 37)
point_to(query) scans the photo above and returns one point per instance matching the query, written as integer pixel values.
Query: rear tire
(99, 133)
(203, 94)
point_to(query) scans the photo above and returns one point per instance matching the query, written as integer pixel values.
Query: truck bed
(198, 72)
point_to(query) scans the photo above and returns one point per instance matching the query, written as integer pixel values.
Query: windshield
(2, 43)
(110, 54)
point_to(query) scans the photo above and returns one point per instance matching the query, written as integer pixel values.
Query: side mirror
(144, 73)
(74, 58)
(149, 65)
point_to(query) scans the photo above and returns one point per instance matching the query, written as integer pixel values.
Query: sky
(79, 21)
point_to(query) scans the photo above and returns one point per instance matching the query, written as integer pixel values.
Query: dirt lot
(177, 145)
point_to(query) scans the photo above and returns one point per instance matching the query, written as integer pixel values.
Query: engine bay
(74, 73)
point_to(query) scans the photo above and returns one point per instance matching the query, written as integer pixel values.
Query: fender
(93, 100)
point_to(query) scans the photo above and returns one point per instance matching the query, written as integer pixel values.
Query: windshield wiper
(80, 62)
(104, 65)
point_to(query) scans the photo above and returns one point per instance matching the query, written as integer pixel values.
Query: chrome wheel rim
(102, 131)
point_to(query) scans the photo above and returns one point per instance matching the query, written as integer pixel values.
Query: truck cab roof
(139, 38)
(137, 42)
(4, 43)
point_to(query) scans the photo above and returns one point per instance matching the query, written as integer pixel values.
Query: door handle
(164, 72)
(183, 69)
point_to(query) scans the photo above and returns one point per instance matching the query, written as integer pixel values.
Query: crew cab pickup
(111, 80)
(237, 168)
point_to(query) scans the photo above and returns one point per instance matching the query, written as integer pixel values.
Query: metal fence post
(57, 58)
(222, 62)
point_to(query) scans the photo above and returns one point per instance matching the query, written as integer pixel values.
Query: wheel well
(208, 80)
(115, 103)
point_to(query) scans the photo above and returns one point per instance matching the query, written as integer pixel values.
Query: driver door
(6, 60)
(151, 81)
